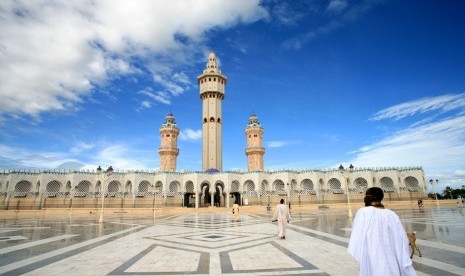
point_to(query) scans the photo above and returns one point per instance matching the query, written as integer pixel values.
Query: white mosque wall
(147, 188)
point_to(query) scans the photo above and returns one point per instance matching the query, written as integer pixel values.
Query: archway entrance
(189, 200)
(205, 199)
(236, 198)
(219, 194)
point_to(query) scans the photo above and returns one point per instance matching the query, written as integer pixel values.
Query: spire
(169, 121)
(212, 64)
(253, 121)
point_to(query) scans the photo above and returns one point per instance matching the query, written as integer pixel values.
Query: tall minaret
(255, 150)
(212, 84)
(169, 144)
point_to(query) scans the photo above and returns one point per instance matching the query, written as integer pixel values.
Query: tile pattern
(213, 244)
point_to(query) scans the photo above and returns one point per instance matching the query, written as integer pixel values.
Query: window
(209, 79)
(204, 120)
(212, 119)
(214, 79)
(167, 135)
(255, 135)
(219, 120)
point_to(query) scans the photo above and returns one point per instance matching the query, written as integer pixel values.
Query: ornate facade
(211, 186)
(199, 189)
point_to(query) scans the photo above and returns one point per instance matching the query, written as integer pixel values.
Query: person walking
(282, 216)
(378, 240)
(235, 211)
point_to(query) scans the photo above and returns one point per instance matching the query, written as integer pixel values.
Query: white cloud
(145, 105)
(13, 158)
(336, 6)
(80, 147)
(190, 134)
(276, 144)
(436, 145)
(119, 156)
(54, 53)
(443, 103)
(459, 173)
(160, 97)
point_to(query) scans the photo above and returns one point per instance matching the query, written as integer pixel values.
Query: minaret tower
(169, 144)
(255, 150)
(212, 87)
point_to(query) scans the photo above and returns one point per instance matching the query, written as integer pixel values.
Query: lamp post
(288, 194)
(435, 194)
(153, 203)
(346, 179)
(105, 175)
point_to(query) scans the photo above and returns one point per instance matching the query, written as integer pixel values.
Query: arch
(82, 189)
(249, 188)
(235, 186)
(144, 189)
(307, 187)
(143, 186)
(212, 119)
(114, 188)
(361, 185)
(335, 186)
(53, 188)
(189, 187)
(219, 193)
(387, 184)
(219, 120)
(205, 196)
(204, 120)
(174, 188)
(279, 187)
(22, 188)
(411, 183)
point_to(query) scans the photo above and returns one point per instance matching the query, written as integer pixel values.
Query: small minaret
(212, 88)
(169, 144)
(255, 150)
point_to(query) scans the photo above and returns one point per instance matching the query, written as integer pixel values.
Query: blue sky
(372, 83)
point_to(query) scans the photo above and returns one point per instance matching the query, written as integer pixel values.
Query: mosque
(212, 187)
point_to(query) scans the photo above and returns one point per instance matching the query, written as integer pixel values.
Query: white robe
(235, 209)
(379, 243)
(281, 213)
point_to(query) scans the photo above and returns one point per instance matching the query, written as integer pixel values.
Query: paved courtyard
(212, 243)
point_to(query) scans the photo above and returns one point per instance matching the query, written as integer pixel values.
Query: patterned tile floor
(213, 244)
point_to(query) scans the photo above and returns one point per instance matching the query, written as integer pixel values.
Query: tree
(447, 192)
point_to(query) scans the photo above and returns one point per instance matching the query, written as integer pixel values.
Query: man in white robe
(378, 240)
(235, 211)
(282, 215)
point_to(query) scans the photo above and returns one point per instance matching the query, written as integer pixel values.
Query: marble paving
(211, 243)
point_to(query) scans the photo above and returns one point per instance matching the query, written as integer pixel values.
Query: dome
(212, 170)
